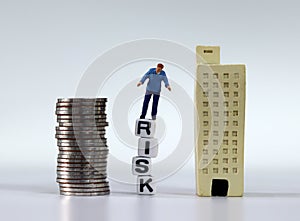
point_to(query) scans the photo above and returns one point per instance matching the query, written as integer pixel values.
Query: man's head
(159, 67)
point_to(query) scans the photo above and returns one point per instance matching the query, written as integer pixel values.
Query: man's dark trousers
(146, 103)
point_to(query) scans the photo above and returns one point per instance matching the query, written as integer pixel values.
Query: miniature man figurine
(155, 76)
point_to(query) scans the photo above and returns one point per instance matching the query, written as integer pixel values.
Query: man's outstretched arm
(166, 81)
(143, 78)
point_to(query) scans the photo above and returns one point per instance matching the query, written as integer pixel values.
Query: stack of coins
(83, 150)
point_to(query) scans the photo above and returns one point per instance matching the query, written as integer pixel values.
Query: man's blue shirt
(155, 79)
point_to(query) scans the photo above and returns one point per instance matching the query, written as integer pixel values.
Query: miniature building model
(219, 133)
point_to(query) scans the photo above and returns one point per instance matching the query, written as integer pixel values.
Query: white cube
(145, 185)
(148, 147)
(145, 128)
(141, 166)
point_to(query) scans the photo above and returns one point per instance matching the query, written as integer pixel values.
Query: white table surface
(33, 195)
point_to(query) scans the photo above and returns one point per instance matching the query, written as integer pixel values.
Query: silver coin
(84, 149)
(81, 173)
(79, 144)
(73, 128)
(64, 154)
(95, 142)
(101, 175)
(82, 165)
(81, 117)
(92, 185)
(81, 129)
(102, 169)
(79, 99)
(81, 176)
(82, 157)
(81, 114)
(90, 141)
(77, 160)
(91, 178)
(92, 147)
(80, 181)
(80, 133)
(85, 194)
(89, 109)
(77, 148)
(81, 108)
(102, 161)
(84, 190)
(84, 152)
(79, 111)
(83, 186)
(75, 167)
(78, 105)
(64, 169)
(70, 132)
(73, 170)
(73, 163)
(101, 125)
(80, 137)
(90, 122)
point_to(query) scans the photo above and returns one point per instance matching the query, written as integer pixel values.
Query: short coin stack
(83, 150)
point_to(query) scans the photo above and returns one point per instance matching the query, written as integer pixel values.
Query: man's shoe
(142, 117)
(153, 117)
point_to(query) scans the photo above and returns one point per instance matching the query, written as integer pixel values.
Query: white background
(45, 47)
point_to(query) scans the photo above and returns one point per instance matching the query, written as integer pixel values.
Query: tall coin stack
(83, 150)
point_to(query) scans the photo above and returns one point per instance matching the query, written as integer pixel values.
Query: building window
(215, 170)
(235, 170)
